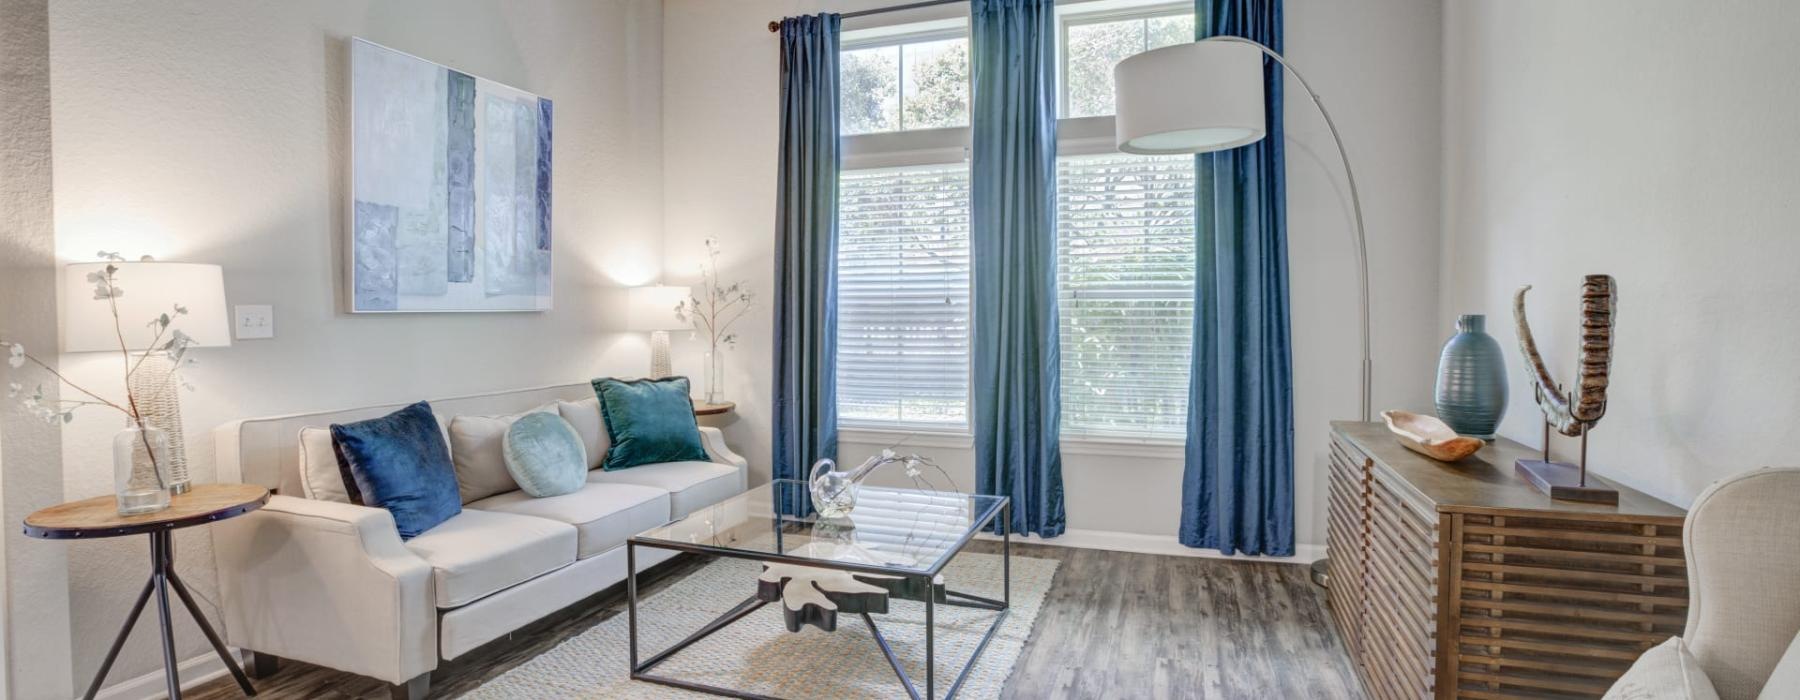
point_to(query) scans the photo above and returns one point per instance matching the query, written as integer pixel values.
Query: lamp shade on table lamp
(652, 309)
(148, 290)
(1190, 98)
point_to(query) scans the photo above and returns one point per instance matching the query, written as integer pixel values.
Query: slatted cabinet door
(1347, 538)
(1400, 622)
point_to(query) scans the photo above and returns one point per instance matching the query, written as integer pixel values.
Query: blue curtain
(1016, 390)
(1238, 491)
(806, 230)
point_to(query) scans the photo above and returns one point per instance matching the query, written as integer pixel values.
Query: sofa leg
(263, 665)
(414, 689)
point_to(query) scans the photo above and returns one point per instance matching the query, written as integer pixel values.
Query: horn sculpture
(1572, 412)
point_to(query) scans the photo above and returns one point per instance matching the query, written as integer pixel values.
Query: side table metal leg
(631, 620)
(137, 610)
(218, 645)
(159, 553)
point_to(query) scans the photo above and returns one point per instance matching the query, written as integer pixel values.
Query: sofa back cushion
(477, 450)
(649, 421)
(400, 462)
(584, 417)
(321, 477)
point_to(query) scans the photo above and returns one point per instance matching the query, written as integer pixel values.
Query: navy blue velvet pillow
(400, 462)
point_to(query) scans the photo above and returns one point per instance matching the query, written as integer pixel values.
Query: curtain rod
(775, 25)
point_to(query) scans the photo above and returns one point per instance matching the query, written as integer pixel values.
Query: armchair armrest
(329, 584)
(713, 439)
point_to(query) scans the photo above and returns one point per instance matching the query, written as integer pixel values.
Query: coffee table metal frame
(998, 514)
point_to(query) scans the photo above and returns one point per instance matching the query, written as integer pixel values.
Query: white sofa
(333, 584)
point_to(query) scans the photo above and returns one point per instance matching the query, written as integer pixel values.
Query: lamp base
(1564, 482)
(159, 403)
(659, 355)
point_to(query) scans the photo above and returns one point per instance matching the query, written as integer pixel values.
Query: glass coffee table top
(891, 531)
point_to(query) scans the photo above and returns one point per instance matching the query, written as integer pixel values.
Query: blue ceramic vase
(1471, 380)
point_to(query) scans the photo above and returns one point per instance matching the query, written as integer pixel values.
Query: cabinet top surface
(1486, 480)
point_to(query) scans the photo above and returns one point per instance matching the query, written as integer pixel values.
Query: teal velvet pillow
(650, 421)
(544, 454)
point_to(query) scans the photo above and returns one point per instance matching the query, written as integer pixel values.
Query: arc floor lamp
(1208, 96)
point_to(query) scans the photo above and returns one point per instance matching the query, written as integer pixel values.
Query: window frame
(1076, 136)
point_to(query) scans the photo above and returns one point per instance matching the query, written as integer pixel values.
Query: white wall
(216, 132)
(34, 576)
(1653, 141)
(720, 118)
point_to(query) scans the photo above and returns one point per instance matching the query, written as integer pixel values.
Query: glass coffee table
(897, 539)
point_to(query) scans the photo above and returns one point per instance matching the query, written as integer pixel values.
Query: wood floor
(1114, 625)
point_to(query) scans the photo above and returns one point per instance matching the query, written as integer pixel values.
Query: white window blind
(903, 297)
(1125, 280)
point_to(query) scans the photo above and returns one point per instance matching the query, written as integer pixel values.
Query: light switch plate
(253, 322)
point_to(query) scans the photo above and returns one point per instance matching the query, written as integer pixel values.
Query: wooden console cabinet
(1461, 580)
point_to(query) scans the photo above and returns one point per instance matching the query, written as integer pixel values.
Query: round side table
(99, 517)
(702, 408)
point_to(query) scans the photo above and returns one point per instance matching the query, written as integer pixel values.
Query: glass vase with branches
(713, 309)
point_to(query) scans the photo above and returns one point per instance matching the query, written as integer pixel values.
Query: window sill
(1149, 448)
(1153, 448)
(944, 439)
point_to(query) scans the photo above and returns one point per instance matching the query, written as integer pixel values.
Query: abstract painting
(450, 181)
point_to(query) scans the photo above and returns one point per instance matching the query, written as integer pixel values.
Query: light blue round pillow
(545, 455)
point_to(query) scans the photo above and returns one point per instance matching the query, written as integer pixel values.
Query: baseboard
(194, 671)
(1159, 544)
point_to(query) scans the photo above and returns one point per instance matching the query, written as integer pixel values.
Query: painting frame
(450, 190)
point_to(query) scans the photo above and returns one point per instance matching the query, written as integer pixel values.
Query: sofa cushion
(480, 552)
(604, 515)
(320, 477)
(1667, 671)
(477, 449)
(691, 485)
(649, 421)
(399, 462)
(584, 416)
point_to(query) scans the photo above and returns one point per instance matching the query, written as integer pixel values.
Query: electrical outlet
(254, 322)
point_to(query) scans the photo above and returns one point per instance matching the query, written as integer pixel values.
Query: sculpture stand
(1563, 481)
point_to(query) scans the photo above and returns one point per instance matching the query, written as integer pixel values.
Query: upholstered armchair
(1743, 562)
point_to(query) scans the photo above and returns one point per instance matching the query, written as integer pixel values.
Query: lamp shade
(653, 308)
(1190, 98)
(150, 289)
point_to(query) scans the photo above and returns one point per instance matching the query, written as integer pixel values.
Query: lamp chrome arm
(1362, 244)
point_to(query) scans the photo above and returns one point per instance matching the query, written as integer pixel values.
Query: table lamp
(150, 290)
(652, 309)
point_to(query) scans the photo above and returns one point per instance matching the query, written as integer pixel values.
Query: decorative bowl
(1429, 436)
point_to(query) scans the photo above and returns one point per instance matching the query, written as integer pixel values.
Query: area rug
(758, 655)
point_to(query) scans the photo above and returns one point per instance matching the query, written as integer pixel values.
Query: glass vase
(715, 377)
(141, 469)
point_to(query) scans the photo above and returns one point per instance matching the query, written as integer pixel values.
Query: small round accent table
(99, 517)
(702, 408)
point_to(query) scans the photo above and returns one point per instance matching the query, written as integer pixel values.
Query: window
(1094, 43)
(903, 297)
(1125, 288)
(1125, 267)
(918, 81)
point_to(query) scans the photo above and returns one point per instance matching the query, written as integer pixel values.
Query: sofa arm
(713, 439)
(328, 584)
